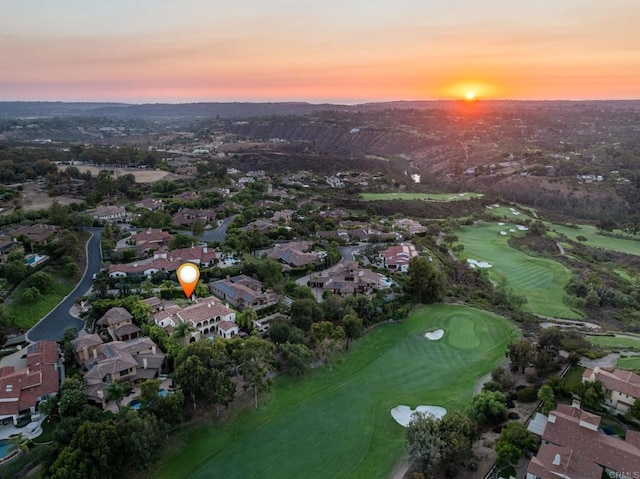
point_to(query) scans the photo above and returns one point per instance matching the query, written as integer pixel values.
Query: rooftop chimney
(575, 403)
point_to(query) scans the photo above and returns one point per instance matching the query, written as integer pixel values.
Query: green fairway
(629, 364)
(615, 342)
(420, 196)
(622, 245)
(337, 424)
(540, 280)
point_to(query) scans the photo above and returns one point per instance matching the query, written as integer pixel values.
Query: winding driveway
(53, 324)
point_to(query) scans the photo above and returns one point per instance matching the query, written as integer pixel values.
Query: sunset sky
(343, 51)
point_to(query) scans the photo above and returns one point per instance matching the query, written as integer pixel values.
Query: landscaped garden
(337, 422)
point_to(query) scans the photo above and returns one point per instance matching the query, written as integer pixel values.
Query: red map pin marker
(188, 275)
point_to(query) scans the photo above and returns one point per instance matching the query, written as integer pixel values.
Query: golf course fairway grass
(337, 423)
(540, 280)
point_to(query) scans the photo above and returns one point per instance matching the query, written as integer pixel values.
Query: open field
(35, 197)
(420, 196)
(28, 314)
(338, 423)
(630, 364)
(615, 342)
(540, 280)
(141, 175)
(628, 246)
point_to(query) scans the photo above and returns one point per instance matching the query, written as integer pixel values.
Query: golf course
(420, 196)
(540, 280)
(337, 423)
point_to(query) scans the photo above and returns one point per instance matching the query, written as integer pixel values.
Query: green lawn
(420, 196)
(630, 364)
(612, 342)
(540, 280)
(28, 314)
(337, 423)
(573, 376)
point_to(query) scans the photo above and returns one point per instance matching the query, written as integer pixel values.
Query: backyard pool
(6, 448)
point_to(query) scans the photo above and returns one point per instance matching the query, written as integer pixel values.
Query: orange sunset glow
(349, 52)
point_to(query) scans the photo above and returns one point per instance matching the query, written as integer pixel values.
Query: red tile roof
(608, 451)
(624, 382)
(21, 389)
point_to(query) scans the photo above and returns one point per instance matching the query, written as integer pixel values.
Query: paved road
(53, 324)
(212, 236)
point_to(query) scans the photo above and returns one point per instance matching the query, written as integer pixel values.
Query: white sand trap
(489, 207)
(403, 414)
(511, 230)
(522, 228)
(501, 224)
(496, 205)
(434, 335)
(474, 263)
(515, 213)
(503, 233)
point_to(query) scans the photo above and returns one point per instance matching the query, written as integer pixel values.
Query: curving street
(53, 324)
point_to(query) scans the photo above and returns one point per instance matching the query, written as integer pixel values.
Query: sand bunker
(501, 224)
(403, 414)
(473, 263)
(434, 335)
(503, 233)
(511, 230)
(522, 228)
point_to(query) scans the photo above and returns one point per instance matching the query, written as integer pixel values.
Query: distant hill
(43, 109)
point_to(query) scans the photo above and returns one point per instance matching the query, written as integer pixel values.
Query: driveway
(53, 324)
(217, 235)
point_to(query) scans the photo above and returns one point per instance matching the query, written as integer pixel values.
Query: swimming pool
(135, 403)
(6, 448)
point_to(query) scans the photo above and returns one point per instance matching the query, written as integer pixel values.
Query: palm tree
(183, 331)
(116, 392)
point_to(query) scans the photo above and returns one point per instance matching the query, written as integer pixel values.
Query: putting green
(461, 333)
(337, 424)
(540, 280)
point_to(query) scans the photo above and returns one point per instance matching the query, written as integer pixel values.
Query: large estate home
(207, 316)
(242, 292)
(397, 257)
(166, 261)
(573, 446)
(295, 254)
(23, 388)
(38, 233)
(150, 238)
(621, 388)
(347, 278)
(119, 324)
(135, 361)
(186, 216)
(110, 214)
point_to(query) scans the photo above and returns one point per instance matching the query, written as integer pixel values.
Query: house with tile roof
(295, 254)
(150, 238)
(205, 315)
(119, 324)
(38, 233)
(621, 388)
(23, 388)
(396, 258)
(347, 278)
(134, 361)
(110, 214)
(578, 445)
(241, 292)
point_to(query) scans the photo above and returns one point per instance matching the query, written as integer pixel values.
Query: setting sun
(470, 95)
